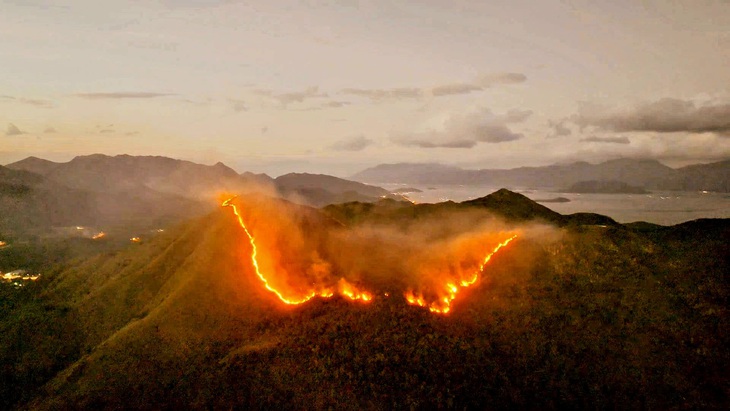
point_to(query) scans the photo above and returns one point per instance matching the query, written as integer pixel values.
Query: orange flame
(443, 304)
(101, 234)
(350, 291)
(255, 263)
(135, 239)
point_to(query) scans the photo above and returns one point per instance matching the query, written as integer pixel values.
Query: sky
(338, 86)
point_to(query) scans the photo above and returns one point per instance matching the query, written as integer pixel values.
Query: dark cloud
(122, 95)
(559, 129)
(356, 143)
(13, 130)
(614, 140)
(386, 94)
(667, 115)
(468, 130)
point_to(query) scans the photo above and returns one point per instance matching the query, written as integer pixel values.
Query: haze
(335, 87)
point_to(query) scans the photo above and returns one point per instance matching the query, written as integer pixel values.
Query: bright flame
(101, 234)
(326, 293)
(450, 289)
(351, 292)
(3, 243)
(135, 239)
(442, 305)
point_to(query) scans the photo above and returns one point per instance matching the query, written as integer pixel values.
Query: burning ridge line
(440, 306)
(443, 304)
(345, 288)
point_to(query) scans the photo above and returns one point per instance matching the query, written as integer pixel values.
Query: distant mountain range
(102, 190)
(649, 174)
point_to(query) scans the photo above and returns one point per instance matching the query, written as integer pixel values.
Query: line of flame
(254, 261)
(443, 305)
(345, 288)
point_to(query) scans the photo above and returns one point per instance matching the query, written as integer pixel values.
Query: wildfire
(451, 288)
(135, 239)
(344, 288)
(3, 244)
(351, 292)
(441, 305)
(262, 277)
(99, 235)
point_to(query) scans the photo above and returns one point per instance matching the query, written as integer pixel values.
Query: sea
(657, 207)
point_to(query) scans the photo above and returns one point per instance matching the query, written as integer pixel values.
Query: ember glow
(99, 235)
(135, 239)
(442, 305)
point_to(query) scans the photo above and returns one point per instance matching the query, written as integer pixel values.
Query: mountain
(34, 165)
(604, 186)
(153, 174)
(321, 189)
(650, 174)
(414, 173)
(124, 173)
(706, 177)
(30, 201)
(576, 317)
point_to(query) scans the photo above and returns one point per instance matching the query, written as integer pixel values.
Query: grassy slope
(604, 318)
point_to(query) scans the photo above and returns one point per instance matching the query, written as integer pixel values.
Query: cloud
(467, 130)
(356, 143)
(489, 80)
(106, 131)
(49, 130)
(13, 130)
(335, 104)
(559, 129)
(667, 115)
(298, 96)
(238, 105)
(122, 95)
(30, 101)
(399, 93)
(455, 88)
(614, 140)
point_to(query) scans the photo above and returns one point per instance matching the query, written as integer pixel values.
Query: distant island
(604, 187)
(553, 200)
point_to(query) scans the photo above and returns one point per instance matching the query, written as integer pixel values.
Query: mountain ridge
(648, 173)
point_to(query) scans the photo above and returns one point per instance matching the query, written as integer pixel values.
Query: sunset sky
(338, 86)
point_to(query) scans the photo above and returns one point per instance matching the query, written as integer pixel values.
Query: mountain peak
(515, 206)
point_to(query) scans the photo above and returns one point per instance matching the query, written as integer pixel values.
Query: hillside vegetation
(592, 314)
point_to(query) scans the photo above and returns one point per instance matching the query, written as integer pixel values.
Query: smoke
(302, 251)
